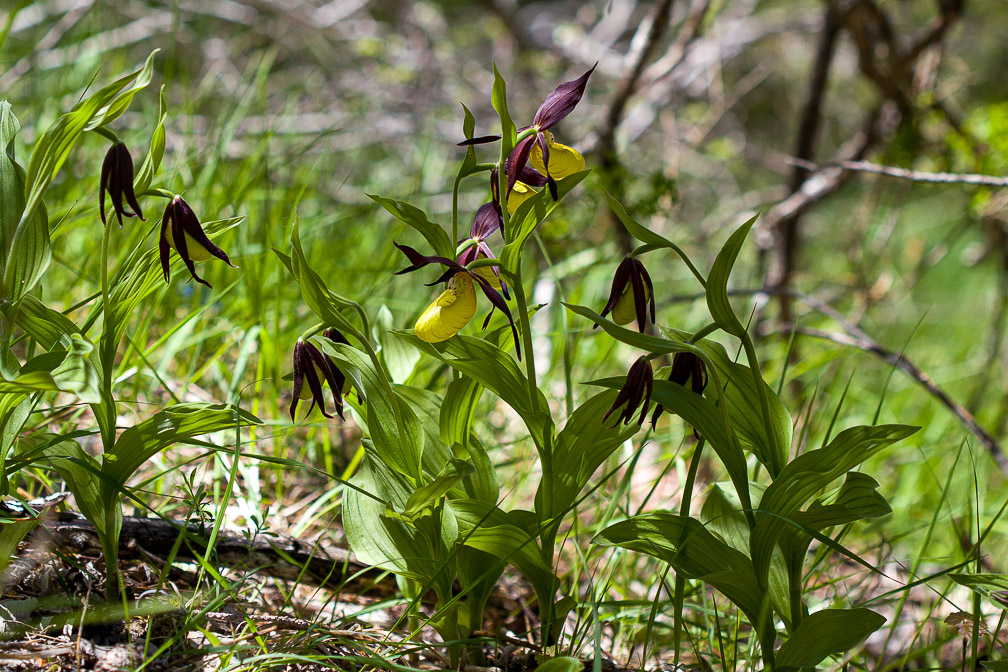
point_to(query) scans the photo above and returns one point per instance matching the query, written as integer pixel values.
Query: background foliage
(279, 108)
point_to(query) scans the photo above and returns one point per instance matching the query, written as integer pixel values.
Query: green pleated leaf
(458, 409)
(808, 474)
(77, 373)
(827, 632)
(708, 420)
(581, 447)
(742, 397)
(328, 306)
(561, 664)
(392, 425)
(79, 470)
(435, 236)
(692, 550)
(152, 161)
(855, 500)
(652, 344)
(995, 665)
(498, 98)
(487, 528)
(11, 534)
(12, 179)
(717, 282)
(398, 357)
(121, 102)
(469, 161)
(415, 549)
(427, 407)
(44, 325)
(176, 424)
(985, 584)
(638, 231)
(428, 495)
(29, 252)
(989, 581)
(497, 371)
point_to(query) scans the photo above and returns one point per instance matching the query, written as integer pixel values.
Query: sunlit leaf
(827, 632)
(717, 282)
(498, 372)
(173, 425)
(433, 233)
(691, 549)
(809, 473)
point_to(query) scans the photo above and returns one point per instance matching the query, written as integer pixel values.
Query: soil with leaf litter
(298, 606)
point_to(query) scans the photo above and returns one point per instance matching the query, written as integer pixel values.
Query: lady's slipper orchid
(637, 388)
(181, 231)
(455, 307)
(555, 107)
(312, 365)
(117, 180)
(631, 294)
(687, 367)
(451, 311)
(486, 222)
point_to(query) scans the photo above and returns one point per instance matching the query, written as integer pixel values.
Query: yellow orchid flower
(451, 311)
(455, 307)
(563, 160)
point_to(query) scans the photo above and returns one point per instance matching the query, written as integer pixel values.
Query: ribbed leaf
(29, 252)
(80, 472)
(717, 282)
(485, 527)
(435, 236)
(581, 447)
(152, 161)
(176, 424)
(686, 544)
(498, 372)
(328, 306)
(392, 425)
(418, 549)
(638, 231)
(827, 632)
(809, 473)
(742, 397)
(498, 98)
(12, 179)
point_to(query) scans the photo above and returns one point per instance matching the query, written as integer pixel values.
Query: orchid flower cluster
(537, 160)
(180, 227)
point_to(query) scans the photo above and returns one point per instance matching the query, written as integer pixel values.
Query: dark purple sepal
(561, 101)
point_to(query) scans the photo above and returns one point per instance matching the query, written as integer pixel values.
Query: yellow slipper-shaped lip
(563, 160)
(451, 311)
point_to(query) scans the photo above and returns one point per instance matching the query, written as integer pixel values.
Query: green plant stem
(106, 133)
(704, 332)
(680, 581)
(764, 402)
(110, 533)
(795, 594)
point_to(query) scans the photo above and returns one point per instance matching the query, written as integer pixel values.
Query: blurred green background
(280, 107)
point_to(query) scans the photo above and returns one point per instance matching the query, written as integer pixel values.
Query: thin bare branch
(903, 173)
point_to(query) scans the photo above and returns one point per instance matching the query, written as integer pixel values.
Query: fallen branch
(274, 555)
